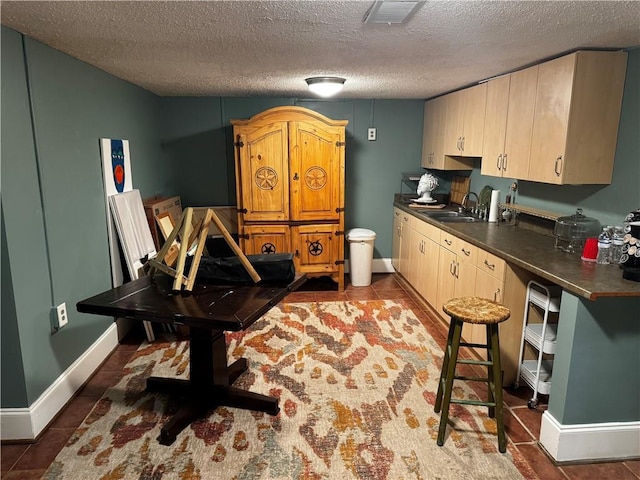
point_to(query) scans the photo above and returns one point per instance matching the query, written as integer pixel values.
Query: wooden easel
(189, 237)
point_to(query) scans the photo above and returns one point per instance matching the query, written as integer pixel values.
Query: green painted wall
(25, 262)
(53, 200)
(596, 369)
(13, 389)
(194, 142)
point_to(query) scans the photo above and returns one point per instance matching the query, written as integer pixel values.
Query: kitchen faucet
(465, 199)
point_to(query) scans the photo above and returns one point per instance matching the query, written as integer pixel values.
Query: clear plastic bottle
(617, 243)
(604, 247)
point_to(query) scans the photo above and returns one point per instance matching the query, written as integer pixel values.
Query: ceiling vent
(391, 11)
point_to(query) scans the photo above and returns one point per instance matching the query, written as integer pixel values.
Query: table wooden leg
(251, 401)
(186, 414)
(209, 385)
(236, 369)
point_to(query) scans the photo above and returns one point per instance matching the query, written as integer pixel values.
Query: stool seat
(476, 310)
(484, 312)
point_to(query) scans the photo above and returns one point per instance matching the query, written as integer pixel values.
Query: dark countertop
(535, 252)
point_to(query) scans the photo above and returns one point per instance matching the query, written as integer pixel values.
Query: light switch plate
(371, 134)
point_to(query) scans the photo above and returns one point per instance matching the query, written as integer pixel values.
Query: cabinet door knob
(466, 252)
(447, 241)
(499, 162)
(492, 266)
(504, 162)
(295, 176)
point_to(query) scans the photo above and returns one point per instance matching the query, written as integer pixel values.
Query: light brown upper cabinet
(290, 188)
(464, 126)
(508, 124)
(577, 112)
(433, 156)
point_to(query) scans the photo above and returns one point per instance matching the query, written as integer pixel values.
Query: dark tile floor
(29, 461)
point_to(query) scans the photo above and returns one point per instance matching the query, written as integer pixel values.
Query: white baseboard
(589, 442)
(28, 423)
(382, 265)
(379, 265)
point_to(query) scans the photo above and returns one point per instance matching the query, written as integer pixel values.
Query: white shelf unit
(542, 337)
(528, 373)
(533, 336)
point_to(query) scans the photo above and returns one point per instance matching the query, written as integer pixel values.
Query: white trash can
(360, 255)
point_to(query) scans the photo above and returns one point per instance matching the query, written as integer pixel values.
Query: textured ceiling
(249, 48)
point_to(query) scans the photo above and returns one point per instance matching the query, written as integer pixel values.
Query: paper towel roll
(493, 207)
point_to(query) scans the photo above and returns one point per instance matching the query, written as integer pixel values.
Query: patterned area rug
(356, 382)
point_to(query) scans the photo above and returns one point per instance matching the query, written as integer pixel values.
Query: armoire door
(316, 248)
(262, 155)
(266, 239)
(316, 171)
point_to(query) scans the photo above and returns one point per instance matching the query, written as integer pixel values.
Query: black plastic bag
(275, 268)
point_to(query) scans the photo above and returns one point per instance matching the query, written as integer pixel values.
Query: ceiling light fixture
(325, 86)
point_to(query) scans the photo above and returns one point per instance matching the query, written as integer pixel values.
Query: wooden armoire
(290, 188)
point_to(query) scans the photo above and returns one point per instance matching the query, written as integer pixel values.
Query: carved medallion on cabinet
(266, 239)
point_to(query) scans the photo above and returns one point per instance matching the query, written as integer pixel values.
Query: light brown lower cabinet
(440, 266)
(402, 224)
(267, 239)
(490, 271)
(316, 247)
(423, 259)
(456, 271)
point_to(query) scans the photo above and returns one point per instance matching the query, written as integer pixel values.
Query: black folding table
(208, 311)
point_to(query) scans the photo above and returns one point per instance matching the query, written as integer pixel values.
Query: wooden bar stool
(479, 311)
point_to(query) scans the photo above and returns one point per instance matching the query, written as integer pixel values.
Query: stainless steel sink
(447, 216)
(457, 219)
(441, 213)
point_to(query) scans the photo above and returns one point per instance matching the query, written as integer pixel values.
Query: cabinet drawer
(491, 264)
(463, 250)
(430, 231)
(448, 241)
(466, 251)
(407, 221)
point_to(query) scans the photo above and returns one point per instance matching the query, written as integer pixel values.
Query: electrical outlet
(62, 315)
(371, 134)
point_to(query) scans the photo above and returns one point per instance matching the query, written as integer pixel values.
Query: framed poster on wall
(116, 173)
